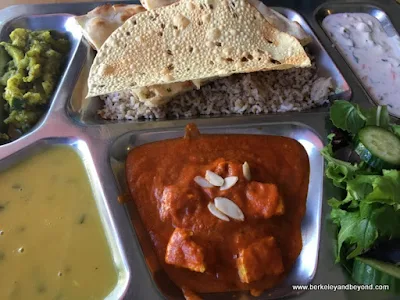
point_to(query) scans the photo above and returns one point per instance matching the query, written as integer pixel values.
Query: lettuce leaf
(369, 213)
(347, 116)
(361, 186)
(340, 172)
(351, 118)
(371, 210)
(387, 220)
(359, 230)
(356, 229)
(386, 189)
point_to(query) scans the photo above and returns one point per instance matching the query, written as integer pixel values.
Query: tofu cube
(264, 199)
(179, 204)
(183, 252)
(259, 259)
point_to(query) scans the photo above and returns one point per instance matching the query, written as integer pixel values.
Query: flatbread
(191, 40)
(282, 23)
(160, 94)
(276, 19)
(153, 4)
(98, 24)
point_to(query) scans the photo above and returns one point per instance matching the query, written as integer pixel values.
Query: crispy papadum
(191, 40)
(276, 19)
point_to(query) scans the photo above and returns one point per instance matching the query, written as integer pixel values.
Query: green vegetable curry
(30, 65)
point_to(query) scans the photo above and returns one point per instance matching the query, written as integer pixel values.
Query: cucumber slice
(371, 271)
(378, 147)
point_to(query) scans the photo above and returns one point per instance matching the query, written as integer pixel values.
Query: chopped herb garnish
(72, 180)
(82, 219)
(41, 288)
(169, 90)
(3, 206)
(16, 186)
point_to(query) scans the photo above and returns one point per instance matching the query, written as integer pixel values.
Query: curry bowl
(305, 266)
(80, 230)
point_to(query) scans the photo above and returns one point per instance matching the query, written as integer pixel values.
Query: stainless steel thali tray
(305, 267)
(103, 145)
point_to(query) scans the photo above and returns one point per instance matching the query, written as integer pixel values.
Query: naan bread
(191, 40)
(98, 24)
(153, 4)
(282, 23)
(160, 94)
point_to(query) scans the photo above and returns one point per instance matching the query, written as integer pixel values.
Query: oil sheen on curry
(223, 212)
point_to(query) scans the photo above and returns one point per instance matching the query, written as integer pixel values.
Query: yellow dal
(52, 244)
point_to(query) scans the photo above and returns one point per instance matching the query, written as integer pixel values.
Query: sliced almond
(216, 212)
(229, 182)
(202, 182)
(214, 179)
(229, 208)
(246, 171)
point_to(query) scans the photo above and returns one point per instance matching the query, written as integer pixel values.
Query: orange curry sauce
(200, 252)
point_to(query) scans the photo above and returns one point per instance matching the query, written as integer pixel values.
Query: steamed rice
(253, 93)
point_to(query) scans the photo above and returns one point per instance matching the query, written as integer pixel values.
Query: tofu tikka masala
(223, 212)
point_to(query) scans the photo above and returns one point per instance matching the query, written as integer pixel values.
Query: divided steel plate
(72, 120)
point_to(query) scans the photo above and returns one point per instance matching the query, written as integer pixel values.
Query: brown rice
(254, 93)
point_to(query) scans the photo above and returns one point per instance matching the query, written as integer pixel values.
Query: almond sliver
(229, 182)
(202, 182)
(214, 178)
(229, 208)
(216, 212)
(246, 171)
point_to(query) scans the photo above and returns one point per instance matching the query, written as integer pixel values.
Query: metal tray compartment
(61, 23)
(334, 8)
(305, 267)
(118, 256)
(85, 110)
(104, 147)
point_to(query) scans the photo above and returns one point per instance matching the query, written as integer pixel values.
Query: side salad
(363, 159)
